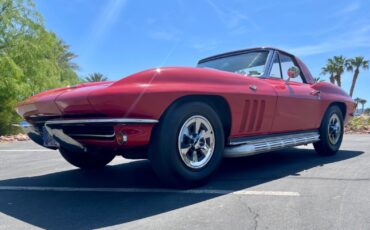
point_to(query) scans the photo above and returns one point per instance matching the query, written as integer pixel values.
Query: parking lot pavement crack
(250, 210)
(255, 217)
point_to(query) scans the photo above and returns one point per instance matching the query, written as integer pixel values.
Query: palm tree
(339, 63)
(362, 102)
(329, 68)
(355, 64)
(357, 100)
(94, 77)
(66, 57)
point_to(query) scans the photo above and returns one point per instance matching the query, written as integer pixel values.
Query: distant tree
(362, 102)
(94, 77)
(367, 111)
(65, 60)
(355, 64)
(357, 100)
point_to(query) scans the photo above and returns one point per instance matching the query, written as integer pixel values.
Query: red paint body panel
(274, 107)
(296, 108)
(75, 101)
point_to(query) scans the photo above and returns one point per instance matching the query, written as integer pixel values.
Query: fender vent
(252, 117)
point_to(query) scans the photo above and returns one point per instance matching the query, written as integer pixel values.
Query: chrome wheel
(196, 142)
(334, 129)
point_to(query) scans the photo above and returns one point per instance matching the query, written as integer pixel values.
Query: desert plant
(359, 124)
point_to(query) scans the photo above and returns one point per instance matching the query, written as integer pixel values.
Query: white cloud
(233, 19)
(166, 35)
(108, 17)
(101, 26)
(356, 38)
(103, 23)
(349, 9)
(203, 46)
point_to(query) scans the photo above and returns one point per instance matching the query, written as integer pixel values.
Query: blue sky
(121, 37)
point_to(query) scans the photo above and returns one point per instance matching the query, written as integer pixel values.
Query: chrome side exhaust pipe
(262, 145)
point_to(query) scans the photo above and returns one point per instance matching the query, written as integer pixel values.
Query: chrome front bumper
(55, 130)
(33, 133)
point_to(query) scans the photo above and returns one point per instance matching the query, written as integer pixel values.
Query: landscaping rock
(12, 138)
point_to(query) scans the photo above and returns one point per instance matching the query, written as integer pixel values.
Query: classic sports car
(185, 120)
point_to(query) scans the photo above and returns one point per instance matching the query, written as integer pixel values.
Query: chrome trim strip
(256, 146)
(113, 120)
(268, 64)
(93, 135)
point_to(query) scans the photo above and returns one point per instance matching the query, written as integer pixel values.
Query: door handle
(253, 87)
(315, 93)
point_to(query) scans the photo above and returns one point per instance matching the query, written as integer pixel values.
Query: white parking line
(149, 190)
(26, 150)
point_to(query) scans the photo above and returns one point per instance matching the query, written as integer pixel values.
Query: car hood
(60, 101)
(178, 75)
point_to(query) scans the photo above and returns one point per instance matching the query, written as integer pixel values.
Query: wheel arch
(218, 103)
(342, 106)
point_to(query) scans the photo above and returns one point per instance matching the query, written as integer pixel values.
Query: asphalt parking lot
(289, 189)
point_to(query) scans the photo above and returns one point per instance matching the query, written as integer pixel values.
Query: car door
(298, 104)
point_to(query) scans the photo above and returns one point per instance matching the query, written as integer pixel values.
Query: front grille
(89, 131)
(77, 131)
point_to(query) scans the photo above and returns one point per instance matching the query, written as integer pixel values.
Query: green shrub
(32, 59)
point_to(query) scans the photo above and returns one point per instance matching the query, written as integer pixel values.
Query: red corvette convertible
(185, 120)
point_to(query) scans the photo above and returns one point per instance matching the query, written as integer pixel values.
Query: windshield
(251, 63)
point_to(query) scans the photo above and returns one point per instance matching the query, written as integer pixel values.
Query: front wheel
(187, 145)
(331, 132)
(88, 160)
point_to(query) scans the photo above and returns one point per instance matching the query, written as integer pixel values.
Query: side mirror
(293, 72)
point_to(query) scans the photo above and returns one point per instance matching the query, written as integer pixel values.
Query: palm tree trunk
(339, 80)
(332, 79)
(355, 75)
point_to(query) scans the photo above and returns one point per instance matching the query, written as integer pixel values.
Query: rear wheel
(88, 160)
(187, 145)
(331, 132)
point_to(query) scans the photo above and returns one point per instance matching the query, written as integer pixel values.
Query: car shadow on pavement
(87, 210)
